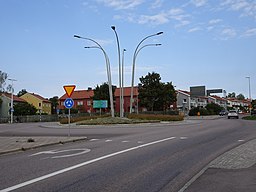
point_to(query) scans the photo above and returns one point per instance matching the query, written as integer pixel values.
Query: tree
(22, 92)
(3, 77)
(240, 96)
(102, 92)
(24, 109)
(155, 95)
(232, 95)
(213, 108)
(55, 102)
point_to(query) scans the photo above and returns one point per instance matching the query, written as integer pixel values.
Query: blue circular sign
(69, 103)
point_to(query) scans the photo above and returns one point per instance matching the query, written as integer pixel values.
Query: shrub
(156, 117)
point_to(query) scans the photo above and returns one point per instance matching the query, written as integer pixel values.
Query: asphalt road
(150, 157)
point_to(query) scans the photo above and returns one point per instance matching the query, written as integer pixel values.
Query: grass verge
(253, 117)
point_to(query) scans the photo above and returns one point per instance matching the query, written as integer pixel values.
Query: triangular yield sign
(69, 89)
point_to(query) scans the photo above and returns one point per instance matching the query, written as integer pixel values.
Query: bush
(156, 117)
(76, 119)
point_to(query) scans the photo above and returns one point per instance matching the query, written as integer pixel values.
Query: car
(223, 112)
(253, 112)
(233, 114)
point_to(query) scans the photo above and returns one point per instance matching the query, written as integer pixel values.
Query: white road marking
(182, 138)
(241, 140)
(81, 165)
(140, 142)
(83, 151)
(94, 139)
(108, 140)
(125, 141)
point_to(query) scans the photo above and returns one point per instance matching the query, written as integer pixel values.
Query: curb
(41, 145)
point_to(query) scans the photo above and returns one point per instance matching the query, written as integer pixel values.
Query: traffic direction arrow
(69, 89)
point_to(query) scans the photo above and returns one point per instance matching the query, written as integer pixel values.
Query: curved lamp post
(108, 71)
(12, 110)
(133, 64)
(122, 83)
(120, 71)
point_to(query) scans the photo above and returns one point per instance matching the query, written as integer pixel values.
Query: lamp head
(77, 36)
(159, 33)
(113, 27)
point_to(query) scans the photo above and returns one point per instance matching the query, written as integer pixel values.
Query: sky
(204, 42)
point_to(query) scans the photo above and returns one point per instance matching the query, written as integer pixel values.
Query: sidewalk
(12, 144)
(234, 171)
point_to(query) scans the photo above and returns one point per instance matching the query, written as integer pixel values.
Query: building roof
(183, 92)
(79, 94)
(15, 98)
(127, 91)
(40, 97)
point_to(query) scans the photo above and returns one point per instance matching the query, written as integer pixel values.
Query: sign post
(69, 102)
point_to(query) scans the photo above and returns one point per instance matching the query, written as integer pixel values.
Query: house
(183, 102)
(41, 104)
(82, 100)
(127, 98)
(5, 106)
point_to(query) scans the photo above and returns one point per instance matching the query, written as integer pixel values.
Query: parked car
(233, 114)
(223, 112)
(253, 112)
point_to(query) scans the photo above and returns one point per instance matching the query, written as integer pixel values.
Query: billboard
(197, 91)
(214, 91)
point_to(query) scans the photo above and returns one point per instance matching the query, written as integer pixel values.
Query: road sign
(69, 89)
(69, 103)
(100, 104)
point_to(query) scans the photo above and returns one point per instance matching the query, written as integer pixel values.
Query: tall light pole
(12, 110)
(122, 83)
(120, 70)
(108, 71)
(133, 65)
(249, 81)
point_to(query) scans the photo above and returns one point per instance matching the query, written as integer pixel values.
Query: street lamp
(12, 110)
(108, 71)
(120, 73)
(249, 81)
(133, 64)
(122, 84)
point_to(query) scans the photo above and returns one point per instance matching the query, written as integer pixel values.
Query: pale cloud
(194, 29)
(121, 4)
(228, 33)
(214, 21)
(250, 32)
(157, 4)
(199, 3)
(158, 19)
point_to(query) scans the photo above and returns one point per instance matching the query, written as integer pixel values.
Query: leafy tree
(24, 109)
(155, 95)
(232, 95)
(213, 108)
(22, 92)
(3, 77)
(240, 96)
(55, 102)
(102, 92)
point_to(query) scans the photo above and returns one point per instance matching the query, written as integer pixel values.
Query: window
(184, 100)
(80, 102)
(88, 103)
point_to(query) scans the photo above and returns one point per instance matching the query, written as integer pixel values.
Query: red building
(127, 97)
(82, 100)
(84, 103)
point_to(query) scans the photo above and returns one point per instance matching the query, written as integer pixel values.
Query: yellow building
(41, 104)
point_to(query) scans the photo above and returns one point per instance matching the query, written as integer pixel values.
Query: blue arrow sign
(69, 103)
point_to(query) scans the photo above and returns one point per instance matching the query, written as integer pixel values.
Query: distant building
(82, 100)
(5, 106)
(41, 104)
(127, 98)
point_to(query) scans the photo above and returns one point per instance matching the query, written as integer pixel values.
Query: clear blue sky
(205, 42)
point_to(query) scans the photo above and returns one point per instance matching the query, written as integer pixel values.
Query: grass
(253, 117)
(113, 120)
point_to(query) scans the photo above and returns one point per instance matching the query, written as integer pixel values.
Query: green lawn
(253, 117)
